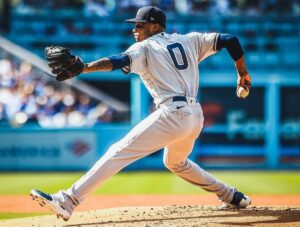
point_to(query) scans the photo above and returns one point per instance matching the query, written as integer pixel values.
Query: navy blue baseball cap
(149, 14)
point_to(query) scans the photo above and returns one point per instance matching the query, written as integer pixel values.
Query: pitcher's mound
(170, 216)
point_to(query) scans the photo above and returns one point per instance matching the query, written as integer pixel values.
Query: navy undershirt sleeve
(232, 44)
(119, 61)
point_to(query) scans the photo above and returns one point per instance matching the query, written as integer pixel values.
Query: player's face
(143, 31)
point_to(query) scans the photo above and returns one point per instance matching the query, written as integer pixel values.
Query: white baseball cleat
(61, 209)
(239, 200)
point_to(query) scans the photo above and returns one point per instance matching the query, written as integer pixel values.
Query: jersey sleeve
(137, 55)
(205, 43)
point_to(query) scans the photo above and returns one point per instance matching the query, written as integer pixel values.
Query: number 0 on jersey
(171, 48)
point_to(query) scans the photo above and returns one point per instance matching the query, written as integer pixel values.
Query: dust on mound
(170, 216)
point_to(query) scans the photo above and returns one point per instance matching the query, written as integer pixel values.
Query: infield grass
(251, 182)
(19, 215)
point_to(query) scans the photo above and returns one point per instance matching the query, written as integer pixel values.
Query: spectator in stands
(215, 7)
(222, 7)
(166, 5)
(200, 6)
(130, 6)
(33, 6)
(96, 7)
(84, 104)
(182, 6)
(71, 28)
(25, 98)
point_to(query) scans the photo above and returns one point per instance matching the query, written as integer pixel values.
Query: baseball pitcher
(168, 66)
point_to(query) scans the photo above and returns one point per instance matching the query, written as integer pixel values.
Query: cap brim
(135, 20)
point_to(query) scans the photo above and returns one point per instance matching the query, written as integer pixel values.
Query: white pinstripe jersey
(168, 63)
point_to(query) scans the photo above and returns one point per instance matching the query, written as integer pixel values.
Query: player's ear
(156, 27)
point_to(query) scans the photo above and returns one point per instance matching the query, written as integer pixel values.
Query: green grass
(251, 182)
(19, 215)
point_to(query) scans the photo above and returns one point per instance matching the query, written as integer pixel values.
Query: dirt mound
(24, 204)
(170, 216)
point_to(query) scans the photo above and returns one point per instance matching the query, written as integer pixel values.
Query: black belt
(179, 98)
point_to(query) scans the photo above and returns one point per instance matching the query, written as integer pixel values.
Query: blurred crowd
(213, 7)
(28, 96)
(72, 11)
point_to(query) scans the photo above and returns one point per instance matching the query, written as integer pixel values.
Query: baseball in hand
(242, 92)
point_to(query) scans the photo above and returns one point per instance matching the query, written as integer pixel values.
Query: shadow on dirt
(278, 216)
(246, 217)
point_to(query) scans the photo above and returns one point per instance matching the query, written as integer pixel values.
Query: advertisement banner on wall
(40, 150)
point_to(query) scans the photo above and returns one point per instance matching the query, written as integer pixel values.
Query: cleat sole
(44, 204)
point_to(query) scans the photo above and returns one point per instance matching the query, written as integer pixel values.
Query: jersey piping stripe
(130, 59)
(215, 42)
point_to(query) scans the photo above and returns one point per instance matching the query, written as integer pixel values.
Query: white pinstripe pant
(169, 127)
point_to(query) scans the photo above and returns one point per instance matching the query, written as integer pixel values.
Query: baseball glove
(63, 63)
